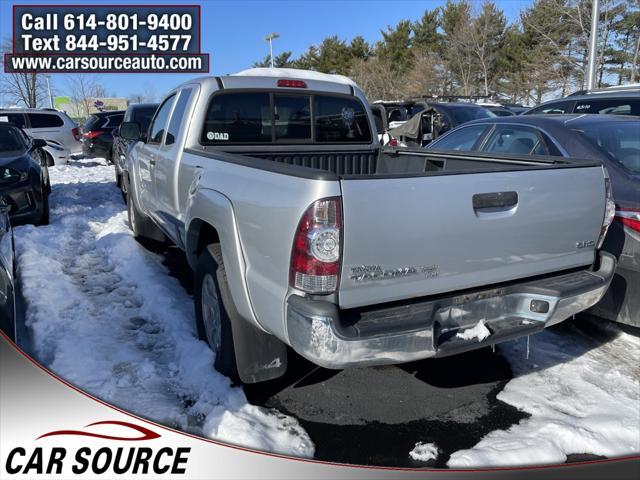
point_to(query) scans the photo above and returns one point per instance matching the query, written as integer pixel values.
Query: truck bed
(382, 162)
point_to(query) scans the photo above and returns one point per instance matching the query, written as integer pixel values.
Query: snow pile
(583, 395)
(423, 452)
(106, 316)
(479, 331)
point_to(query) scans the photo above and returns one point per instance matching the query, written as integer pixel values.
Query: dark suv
(97, 133)
(617, 101)
(140, 113)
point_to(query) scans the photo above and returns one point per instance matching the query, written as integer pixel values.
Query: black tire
(141, 225)
(210, 266)
(49, 159)
(44, 218)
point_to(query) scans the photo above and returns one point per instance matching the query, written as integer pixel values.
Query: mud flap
(259, 356)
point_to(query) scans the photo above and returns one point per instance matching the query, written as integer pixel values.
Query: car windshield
(466, 113)
(10, 140)
(619, 139)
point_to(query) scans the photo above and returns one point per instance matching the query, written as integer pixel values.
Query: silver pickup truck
(302, 231)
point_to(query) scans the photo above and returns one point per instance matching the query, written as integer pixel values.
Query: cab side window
(159, 123)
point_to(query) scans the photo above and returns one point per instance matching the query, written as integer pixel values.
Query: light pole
(593, 45)
(46, 77)
(270, 38)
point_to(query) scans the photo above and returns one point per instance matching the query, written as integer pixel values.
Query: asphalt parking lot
(376, 415)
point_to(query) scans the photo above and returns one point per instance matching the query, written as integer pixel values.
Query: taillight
(76, 133)
(93, 133)
(292, 83)
(315, 256)
(629, 217)
(609, 209)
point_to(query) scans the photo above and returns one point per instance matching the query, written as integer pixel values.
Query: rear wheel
(212, 319)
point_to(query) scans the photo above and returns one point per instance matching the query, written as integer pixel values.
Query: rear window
(620, 140)
(465, 113)
(143, 116)
(92, 122)
(44, 120)
(611, 106)
(263, 117)
(10, 139)
(556, 107)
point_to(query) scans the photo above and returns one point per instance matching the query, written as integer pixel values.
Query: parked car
(7, 278)
(301, 231)
(615, 101)
(614, 140)
(141, 113)
(497, 109)
(430, 120)
(56, 154)
(97, 133)
(7, 287)
(51, 125)
(24, 181)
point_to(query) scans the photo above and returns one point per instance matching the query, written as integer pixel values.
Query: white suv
(51, 125)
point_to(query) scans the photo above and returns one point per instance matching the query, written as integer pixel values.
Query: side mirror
(38, 143)
(130, 131)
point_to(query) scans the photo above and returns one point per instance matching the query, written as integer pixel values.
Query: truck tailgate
(418, 236)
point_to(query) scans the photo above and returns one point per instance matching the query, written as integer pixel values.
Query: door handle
(495, 200)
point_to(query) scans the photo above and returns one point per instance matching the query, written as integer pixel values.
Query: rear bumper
(419, 329)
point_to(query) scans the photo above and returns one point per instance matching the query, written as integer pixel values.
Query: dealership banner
(50, 429)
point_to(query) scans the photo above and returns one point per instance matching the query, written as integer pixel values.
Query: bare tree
(83, 90)
(377, 79)
(425, 77)
(27, 89)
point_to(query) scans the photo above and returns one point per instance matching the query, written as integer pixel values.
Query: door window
(44, 120)
(16, 119)
(516, 139)
(159, 123)
(177, 116)
(462, 139)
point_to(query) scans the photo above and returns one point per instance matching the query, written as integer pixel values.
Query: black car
(24, 180)
(7, 287)
(429, 120)
(613, 140)
(140, 113)
(605, 101)
(97, 133)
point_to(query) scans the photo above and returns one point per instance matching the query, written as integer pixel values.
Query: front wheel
(44, 218)
(212, 319)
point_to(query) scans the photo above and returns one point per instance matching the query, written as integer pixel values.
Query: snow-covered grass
(423, 452)
(582, 391)
(106, 316)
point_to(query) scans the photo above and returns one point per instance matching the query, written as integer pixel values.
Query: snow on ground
(423, 452)
(582, 391)
(479, 331)
(106, 316)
